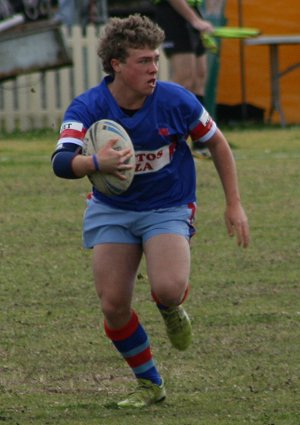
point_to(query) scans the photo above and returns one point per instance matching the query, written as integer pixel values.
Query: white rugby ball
(95, 138)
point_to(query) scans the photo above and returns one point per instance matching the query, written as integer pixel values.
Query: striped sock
(133, 344)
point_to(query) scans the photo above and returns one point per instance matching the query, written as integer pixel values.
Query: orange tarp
(273, 17)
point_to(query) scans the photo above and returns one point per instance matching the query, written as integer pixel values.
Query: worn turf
(56, 365)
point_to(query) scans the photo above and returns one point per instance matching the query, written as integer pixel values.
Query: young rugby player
(154, 217)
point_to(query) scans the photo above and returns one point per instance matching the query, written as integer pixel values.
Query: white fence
(38, 100)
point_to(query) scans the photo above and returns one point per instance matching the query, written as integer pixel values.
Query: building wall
(272, 17)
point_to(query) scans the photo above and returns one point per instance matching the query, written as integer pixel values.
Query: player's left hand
(202, 25)
(237, 224)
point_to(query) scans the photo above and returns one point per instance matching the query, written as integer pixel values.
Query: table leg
(275, 86)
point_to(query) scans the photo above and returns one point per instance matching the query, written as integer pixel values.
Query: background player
(183, 23)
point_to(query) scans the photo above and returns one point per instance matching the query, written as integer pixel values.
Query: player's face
(139, 72)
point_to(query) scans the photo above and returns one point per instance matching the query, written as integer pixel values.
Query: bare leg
(168, 261)
(201, 75)
(168, 265)
(115, 267)
(183, 66)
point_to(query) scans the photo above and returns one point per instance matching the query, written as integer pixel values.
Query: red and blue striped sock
(133, 343)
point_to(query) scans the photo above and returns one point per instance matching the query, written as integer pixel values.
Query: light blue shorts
(105, 224)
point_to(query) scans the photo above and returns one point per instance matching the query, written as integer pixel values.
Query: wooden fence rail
(38, 100)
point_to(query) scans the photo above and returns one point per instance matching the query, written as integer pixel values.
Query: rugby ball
(95, 138)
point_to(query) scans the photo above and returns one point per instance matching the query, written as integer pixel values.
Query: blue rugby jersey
(165, 171)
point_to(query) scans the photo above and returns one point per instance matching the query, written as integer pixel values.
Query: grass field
(56, 365)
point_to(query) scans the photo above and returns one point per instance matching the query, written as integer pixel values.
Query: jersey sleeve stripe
(203, 132)
(64, 140)
(73, 133)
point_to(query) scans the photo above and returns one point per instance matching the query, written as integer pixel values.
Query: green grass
(57, 366)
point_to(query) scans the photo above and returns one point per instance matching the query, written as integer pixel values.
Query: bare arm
(235, 216)
(183, 8)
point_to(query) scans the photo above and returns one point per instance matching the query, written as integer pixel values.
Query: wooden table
(274, 42)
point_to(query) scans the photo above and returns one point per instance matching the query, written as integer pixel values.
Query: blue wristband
(96, 163)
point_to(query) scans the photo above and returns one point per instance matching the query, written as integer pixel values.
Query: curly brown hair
(120, 34)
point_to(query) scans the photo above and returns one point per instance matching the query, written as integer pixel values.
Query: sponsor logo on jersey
(151, 161)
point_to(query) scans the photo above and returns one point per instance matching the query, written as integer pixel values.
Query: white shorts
(105, 224)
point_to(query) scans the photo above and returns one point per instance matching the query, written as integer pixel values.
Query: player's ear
(115, 64)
